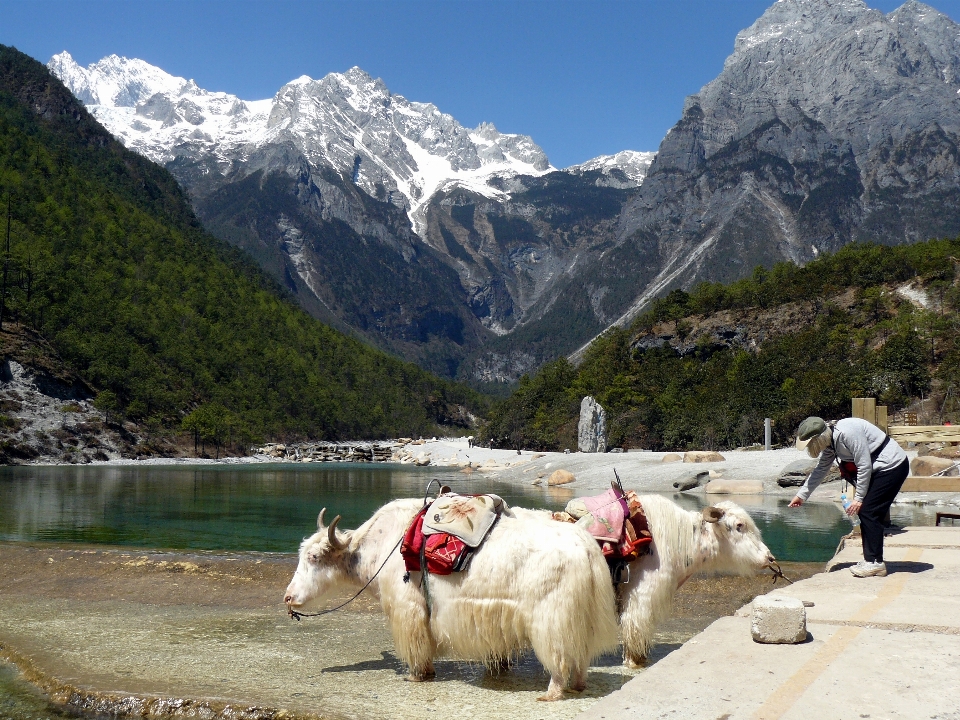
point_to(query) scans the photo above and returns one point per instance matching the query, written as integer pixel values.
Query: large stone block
(778, 620)
(931, 465)
(671, 457)
(592, 428)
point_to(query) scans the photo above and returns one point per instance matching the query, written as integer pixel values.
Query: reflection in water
(272, 507)
(254, 507)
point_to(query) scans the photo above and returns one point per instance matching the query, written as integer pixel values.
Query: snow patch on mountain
(394, 149)
(632, 163)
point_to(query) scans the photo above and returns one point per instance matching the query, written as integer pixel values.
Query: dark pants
(883, 489)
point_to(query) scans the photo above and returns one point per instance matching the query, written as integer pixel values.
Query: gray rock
(795, 474)
(592, 429)
(779, 620)
(691, 482)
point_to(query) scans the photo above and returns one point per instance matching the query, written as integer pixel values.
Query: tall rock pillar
(592, 430)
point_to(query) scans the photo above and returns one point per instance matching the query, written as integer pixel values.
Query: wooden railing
(868, 409)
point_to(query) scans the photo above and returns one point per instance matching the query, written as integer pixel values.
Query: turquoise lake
(271, 507)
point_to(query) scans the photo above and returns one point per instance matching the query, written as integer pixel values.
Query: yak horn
(712, 514)
(335, 542)
(320, 519)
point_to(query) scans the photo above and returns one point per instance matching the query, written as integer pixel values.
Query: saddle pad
(442, 553)
(604, 516)
(467, 517)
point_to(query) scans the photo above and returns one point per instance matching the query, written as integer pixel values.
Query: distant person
(868, 458)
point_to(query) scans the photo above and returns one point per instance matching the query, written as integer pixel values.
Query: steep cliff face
(831, 122)
(349, 259)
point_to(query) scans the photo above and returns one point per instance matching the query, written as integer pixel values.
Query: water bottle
(846, 503)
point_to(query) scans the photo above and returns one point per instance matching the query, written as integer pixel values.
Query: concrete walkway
(878, 648)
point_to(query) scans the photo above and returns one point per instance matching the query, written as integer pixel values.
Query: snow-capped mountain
(627, 167)
(350, 121)
(383, 216)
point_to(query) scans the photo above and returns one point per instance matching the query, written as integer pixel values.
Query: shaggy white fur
(684, 543)
(532, 584)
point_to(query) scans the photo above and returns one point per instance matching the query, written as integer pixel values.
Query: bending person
(871, 460)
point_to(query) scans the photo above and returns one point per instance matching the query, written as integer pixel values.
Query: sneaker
(869, 569)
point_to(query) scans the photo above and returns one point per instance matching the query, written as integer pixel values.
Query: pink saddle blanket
(604, 515)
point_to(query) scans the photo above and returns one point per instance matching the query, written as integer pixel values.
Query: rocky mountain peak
(392, 148)
(840, 63)
(787, 20)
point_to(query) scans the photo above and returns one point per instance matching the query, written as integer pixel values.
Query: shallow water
(19, 700)
(269, 508)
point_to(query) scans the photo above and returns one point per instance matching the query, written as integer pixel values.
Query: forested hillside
(702, 369)
(169, 326)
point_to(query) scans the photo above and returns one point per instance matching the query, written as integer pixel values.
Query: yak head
(739, 548)
(325, 563)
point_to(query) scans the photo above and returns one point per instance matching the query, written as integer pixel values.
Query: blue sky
(582, 78)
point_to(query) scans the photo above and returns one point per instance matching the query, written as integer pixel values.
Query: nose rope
(778, 573)
(297, 615)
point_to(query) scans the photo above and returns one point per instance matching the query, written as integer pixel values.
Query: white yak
(531, 584)
(721, 539)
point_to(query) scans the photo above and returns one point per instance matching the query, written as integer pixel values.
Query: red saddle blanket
(469, 519)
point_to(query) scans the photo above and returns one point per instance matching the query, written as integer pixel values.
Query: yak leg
(410, 626)
(638, 621)
(554, 690)
(579, 680)
(422, 673)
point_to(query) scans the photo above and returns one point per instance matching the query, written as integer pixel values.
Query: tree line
(882, 345)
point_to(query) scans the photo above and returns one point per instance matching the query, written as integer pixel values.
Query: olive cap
(810, 428)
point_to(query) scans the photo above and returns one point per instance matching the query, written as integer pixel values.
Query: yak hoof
(554, 692)
(424, 676)
(635, 662)
(551, 697)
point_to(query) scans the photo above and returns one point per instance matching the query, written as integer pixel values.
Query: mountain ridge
(158, 317)
(477, 259)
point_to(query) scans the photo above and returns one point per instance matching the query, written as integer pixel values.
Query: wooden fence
(868, 409)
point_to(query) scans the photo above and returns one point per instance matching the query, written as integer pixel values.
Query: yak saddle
(444, 534)
(616, 519)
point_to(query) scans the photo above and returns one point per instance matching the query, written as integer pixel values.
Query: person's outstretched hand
(796, 502)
